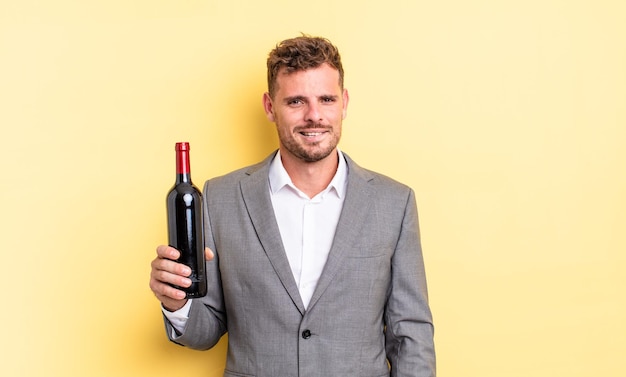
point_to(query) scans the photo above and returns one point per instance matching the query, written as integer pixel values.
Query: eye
(294, 102)
(329, 99)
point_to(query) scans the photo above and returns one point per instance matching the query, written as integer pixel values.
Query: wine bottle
(185, 223)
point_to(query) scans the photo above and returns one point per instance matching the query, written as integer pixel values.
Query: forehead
(323, 77)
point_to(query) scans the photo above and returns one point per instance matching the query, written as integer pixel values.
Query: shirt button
(306, 334)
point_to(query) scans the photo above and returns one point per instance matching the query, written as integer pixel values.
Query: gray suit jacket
(369, 315)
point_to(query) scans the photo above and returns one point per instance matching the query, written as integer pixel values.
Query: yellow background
(507, 117)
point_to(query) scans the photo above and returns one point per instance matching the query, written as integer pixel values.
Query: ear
(268, 106)
(346, 99)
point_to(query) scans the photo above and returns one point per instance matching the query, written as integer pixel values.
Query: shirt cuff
(179, 318)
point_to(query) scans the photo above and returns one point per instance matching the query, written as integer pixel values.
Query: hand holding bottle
(167, 272)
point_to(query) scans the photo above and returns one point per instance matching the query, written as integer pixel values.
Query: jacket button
(306, 334)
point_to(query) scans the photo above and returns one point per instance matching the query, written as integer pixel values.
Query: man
(314, 264)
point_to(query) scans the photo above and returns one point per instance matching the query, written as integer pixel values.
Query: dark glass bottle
(185, 223)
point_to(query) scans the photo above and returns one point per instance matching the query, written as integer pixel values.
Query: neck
(311, 177)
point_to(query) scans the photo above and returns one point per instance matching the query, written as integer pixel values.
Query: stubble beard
(312, 152)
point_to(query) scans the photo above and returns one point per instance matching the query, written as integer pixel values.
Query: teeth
(311, 133)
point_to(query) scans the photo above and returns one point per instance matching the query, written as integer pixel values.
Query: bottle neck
(183, 171)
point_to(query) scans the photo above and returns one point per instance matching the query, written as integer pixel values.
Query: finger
(167, 252)
(170, 278)
(208, 254)
(171, 267)
(165, 291)
(161, 284)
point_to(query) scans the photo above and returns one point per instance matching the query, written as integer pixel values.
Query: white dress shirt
(307, 225)
(307, 228)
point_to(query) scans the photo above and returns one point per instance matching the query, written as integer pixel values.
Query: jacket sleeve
(409, 327)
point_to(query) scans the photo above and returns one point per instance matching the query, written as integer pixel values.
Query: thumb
(208, 253)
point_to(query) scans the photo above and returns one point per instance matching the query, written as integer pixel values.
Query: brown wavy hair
(301, 53)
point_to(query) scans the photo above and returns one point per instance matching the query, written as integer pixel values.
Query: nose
(313, 113)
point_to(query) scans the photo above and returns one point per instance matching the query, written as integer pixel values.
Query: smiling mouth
(313, 131)
(311, 134)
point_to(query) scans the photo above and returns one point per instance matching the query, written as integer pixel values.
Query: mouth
(311, 133)
(313, 137)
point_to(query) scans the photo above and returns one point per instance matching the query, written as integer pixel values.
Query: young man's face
(308, 108)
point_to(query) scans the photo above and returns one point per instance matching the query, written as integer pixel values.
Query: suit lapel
(353, 213)
(255, 192)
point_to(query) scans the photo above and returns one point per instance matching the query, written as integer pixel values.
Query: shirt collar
(279, 178)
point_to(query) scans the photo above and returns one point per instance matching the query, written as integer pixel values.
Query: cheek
(282, 127)
(336, 117)
(286, 120)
